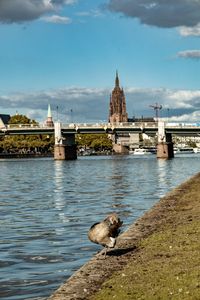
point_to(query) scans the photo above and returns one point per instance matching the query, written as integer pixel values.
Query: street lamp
(156, 107)
(168, 115)
(71, 111)
(57, 113)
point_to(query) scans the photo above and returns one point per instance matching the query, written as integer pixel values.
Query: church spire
(117, 108)
(49, 112)
(117, 80)
(49, 120)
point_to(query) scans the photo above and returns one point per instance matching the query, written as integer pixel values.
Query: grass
(166, 264)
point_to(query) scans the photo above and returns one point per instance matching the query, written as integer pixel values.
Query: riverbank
(156, 258)
(24, 155)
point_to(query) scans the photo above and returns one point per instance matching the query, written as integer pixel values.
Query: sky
(66, 52)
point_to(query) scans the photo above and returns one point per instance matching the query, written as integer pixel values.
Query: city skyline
(66, 52)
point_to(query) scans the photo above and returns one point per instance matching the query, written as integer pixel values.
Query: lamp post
(57, 113)
(71, 111)
(168, 115)
(157, 107)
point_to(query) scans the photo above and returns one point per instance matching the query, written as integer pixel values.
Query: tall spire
(49, 120)
(117, 108)
(49, 112)
(117, 80)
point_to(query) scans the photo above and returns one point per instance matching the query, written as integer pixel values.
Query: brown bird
(106, 232)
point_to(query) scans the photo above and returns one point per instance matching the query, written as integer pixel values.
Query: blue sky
(66, 53)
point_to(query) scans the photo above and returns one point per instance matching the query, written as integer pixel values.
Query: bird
(105, 232)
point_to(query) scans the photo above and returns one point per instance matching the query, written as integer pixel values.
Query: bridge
(181, 129)
(65, 133)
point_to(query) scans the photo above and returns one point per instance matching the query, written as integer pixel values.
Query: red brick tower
(117, 111)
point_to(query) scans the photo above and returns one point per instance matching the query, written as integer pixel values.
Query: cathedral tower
(117, 111)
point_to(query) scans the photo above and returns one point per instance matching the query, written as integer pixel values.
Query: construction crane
(156, 107)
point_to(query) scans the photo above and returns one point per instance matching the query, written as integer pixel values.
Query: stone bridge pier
(118, 147)
(65, 147)
(165, 147)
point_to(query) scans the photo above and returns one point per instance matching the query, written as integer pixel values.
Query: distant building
(4, 119)
(142, 120)
(117, 110)
(49, 120)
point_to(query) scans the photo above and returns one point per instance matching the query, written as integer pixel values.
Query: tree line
(44, 144)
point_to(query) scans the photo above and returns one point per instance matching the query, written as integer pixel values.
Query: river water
(47, 207)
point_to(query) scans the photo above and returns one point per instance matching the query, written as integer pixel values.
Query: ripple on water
(47, 207)
(5, 263)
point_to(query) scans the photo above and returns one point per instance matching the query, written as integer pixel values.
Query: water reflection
(58, 190)
(47, 207)
(162, 176)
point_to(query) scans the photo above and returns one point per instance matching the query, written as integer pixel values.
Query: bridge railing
(24, 126)
(103, 125)
(108, 125)
(181, 125)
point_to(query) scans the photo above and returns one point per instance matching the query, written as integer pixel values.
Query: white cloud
(57, 19)
(160, 13)
(190, 31)
(92, 105)
(19, 11)
(191, 117)
(87, 104)
(192, 54)
(184, 95)
(91, 13)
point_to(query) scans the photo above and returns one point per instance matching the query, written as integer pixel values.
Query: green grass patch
(166, 266)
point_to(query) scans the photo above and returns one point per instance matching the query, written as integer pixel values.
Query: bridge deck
(148, 128)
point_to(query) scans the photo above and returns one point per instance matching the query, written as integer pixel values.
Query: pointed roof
(49, 112)
(117, 80)
(49, 120)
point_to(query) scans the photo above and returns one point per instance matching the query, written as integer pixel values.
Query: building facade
(117, 109)
(4, 119)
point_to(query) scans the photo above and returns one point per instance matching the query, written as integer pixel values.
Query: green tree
(26, 143)
(94, 141)
(21, 119)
